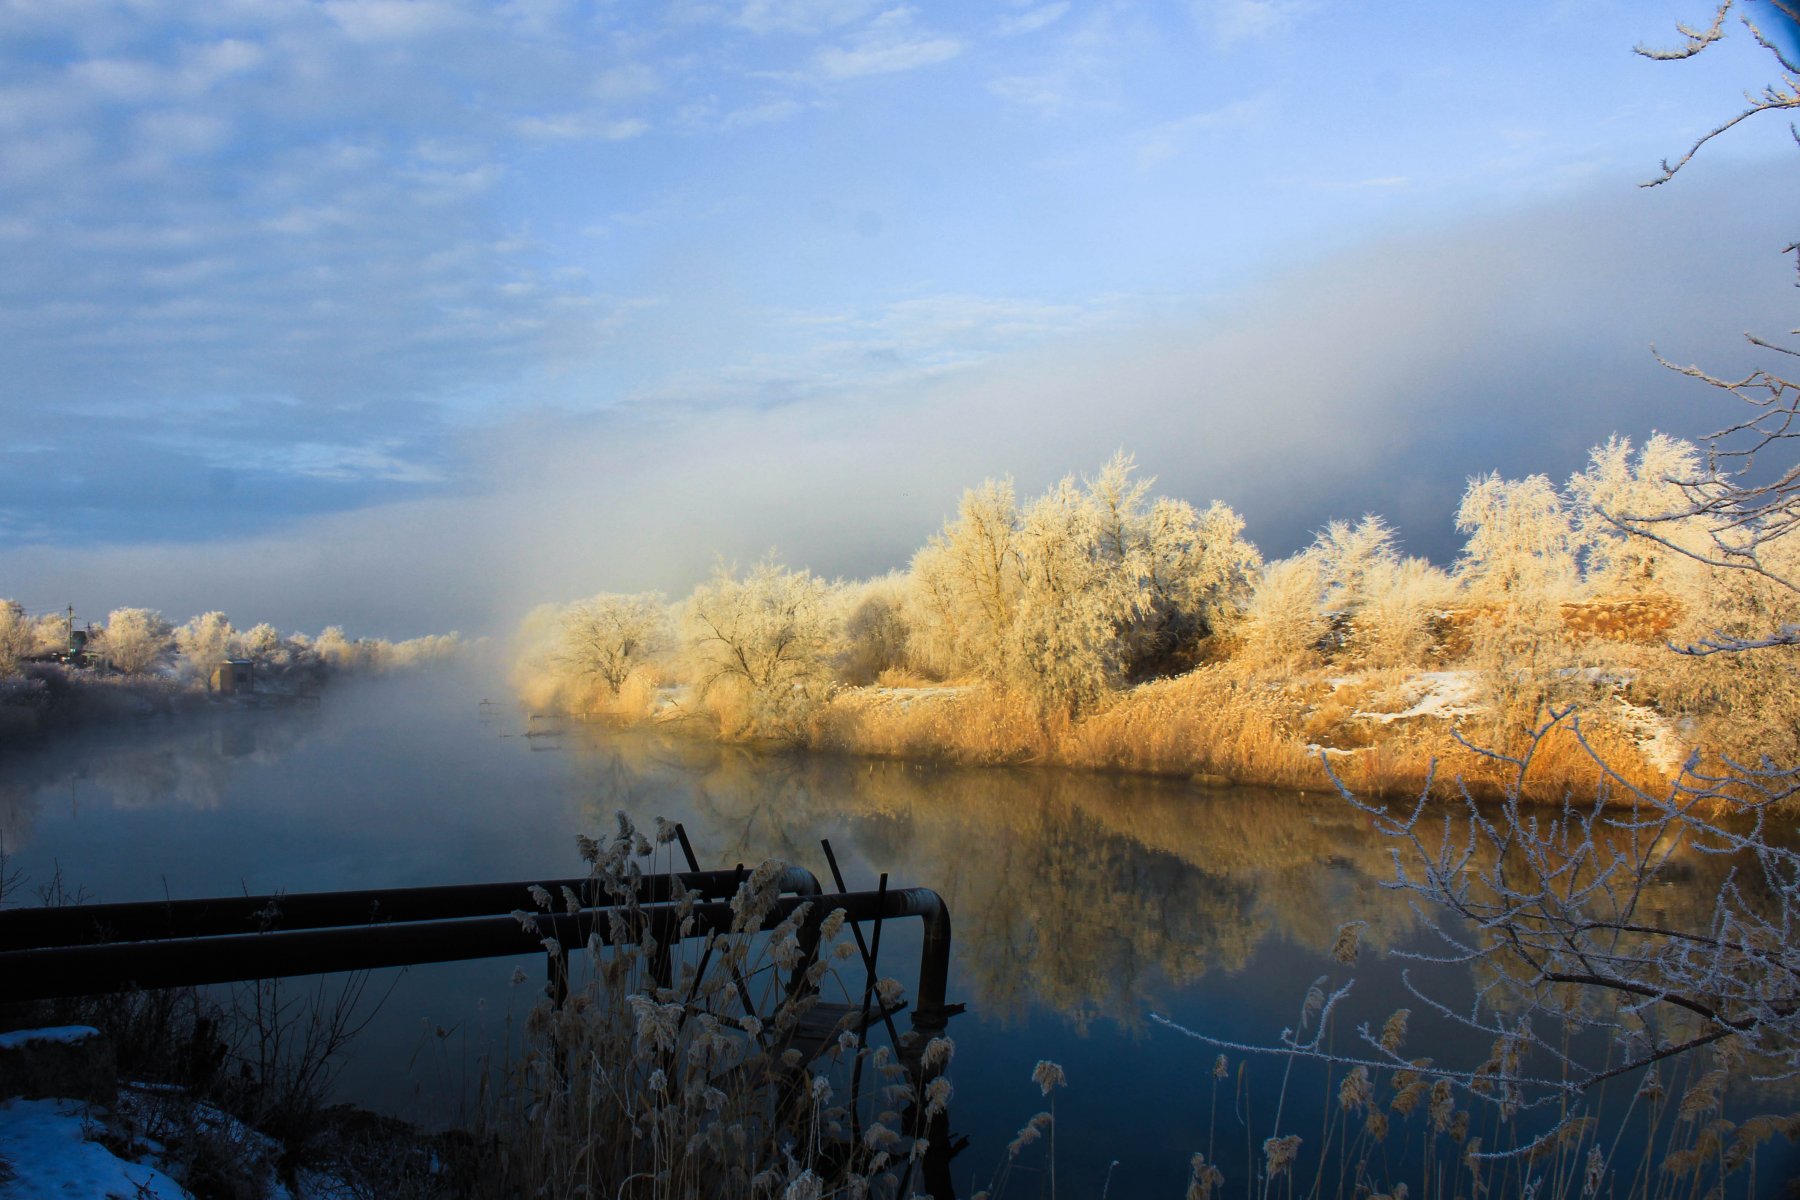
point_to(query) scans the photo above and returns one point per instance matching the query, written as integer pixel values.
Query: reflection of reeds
(1421, 1129)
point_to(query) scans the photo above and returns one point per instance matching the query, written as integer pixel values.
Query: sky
(410, 314)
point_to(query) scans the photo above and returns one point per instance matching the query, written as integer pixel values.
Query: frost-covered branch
(1780, 96)
(1545, 908)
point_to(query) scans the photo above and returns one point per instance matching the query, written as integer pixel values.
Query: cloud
(888, 45)
(276, 227)
(887, 56)
(583, 127)
(1377, 379)
(1045, 94)
(1172, 138)
(799, 16)
(1032, 20)
(1234, 21)
(1080, 68)
(393, 20)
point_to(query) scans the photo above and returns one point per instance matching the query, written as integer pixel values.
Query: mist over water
(1081, 903)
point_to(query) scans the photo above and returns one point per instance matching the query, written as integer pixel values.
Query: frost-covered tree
(1521, 544)
(607, 637)
(1617, 483)
(1090, 587)
(876, 633)
(1394, 624)
(334, 648)
(1189, 573)
(50, 634)
(262, 642)
(759, 647)
(1354, 560)
(137, 640)
(1063, 648)
(18, 637)
(966, 584)
(1386, 605)
(202, 642)
(1283, 624)
(1746, 704)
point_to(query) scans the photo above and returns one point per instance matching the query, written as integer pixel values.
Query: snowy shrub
(137, 639)
(17, 636)
(759, 647)
(203, 642)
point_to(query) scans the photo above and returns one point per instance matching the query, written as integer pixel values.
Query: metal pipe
(80, 970)
(87, 924)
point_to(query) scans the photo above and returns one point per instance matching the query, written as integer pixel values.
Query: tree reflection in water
(1089, 895)
(1082, 902)
(1098, 898)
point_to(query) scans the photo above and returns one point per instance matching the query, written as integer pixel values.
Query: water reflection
(185, 763)
(1081, 902)
(1093, 896)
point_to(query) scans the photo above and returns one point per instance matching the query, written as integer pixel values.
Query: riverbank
(1381, 733)
(48, 700)
(70, 1127)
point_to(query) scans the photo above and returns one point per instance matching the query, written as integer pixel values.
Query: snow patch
(45, 1148)
(1654, 736)
(55, 1035)
(1442, 694)
(903, 698)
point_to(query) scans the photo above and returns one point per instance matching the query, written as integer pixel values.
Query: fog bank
(1376, 380)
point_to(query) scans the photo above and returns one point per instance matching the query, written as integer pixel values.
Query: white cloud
(886, 57)
(1233, 21)
(762, 114)
(1032, 20)
(583, 127)
(887, 45)
(1078, 70)
(119, 79)
(345, 462)
(212, 62)
(1046, 95)
(1171, 138)
(800, 16)
(626, 81)
(393, 20)
(180, 133)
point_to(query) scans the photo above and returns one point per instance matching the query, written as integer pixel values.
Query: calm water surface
(1081, 903)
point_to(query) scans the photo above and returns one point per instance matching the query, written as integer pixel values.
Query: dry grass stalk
(668, 1071)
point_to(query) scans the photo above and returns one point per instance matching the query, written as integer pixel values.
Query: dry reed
(668, 1072)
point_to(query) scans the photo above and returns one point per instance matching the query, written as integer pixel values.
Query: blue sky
(538, 298)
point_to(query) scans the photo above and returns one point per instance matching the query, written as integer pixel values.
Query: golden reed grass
(1223, 724)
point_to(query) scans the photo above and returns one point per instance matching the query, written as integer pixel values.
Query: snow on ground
(1654, 735)
(66, 1035)
(1442, 694)
(45, 1151)
(906, 697)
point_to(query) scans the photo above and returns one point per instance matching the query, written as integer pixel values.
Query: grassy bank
(1382, 733)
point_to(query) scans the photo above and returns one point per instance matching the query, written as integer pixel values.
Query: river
(1083, 904)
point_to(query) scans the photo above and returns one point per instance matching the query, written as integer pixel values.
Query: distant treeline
(139, 641)
(1056, 615)
(138, 661)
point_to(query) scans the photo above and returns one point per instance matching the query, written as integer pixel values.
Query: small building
(232, 676)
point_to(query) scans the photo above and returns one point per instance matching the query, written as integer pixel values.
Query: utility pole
(69, 631)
